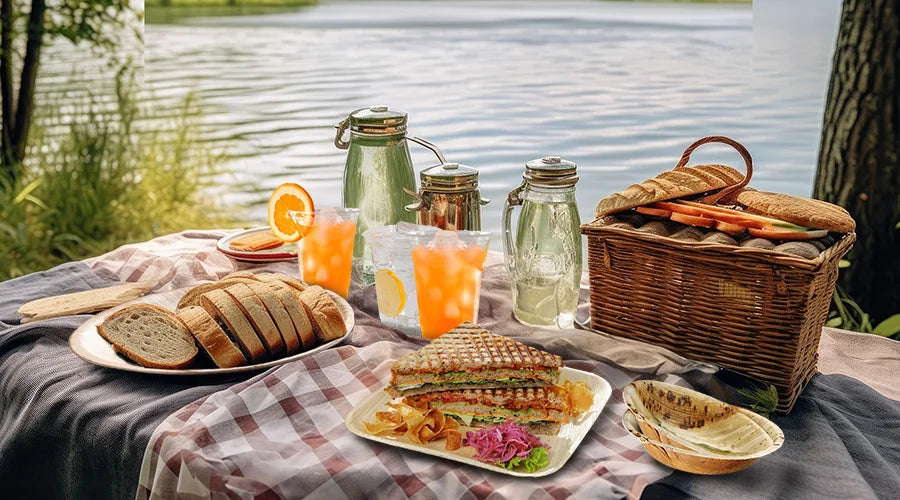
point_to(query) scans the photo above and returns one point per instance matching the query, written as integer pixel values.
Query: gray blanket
(69, 429)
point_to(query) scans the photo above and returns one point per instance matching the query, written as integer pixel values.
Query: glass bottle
(544, 256)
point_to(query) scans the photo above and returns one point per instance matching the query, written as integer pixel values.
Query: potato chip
(579, 396)
(454, 440)
(428, 428)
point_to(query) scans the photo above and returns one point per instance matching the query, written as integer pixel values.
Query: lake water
(619, 88)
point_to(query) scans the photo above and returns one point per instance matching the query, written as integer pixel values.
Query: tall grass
(94, 181)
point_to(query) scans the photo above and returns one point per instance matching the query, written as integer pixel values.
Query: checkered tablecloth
(283, 436)
(280, 434)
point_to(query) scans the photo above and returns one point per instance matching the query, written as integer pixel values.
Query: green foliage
(762, 401)
(101, 184)
(847, 314)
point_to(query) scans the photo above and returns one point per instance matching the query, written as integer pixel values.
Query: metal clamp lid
(551, 171)
(375, 120)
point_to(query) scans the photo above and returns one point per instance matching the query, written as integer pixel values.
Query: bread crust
(279, 314)
(471, 348)
(283, 278)
(298, 313)
(327, 322)
(145, 309)
(192, 297)
(259, 317)
(677, 183)
(215, 342)
(816, 214)
(224, 307)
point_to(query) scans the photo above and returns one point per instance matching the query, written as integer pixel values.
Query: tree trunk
(25, 104)
(7, 166)
(859, 160)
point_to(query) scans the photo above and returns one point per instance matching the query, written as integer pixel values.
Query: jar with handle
(378, 175)
(543, 256)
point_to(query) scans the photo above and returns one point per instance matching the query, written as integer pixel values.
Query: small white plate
(285, 252)
(562, 446)
(87, 343)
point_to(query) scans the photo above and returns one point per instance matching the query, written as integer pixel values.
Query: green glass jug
(378, 175)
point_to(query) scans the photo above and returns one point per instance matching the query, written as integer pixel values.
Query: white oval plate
(286, 252)
(87, 343)
(562, 446)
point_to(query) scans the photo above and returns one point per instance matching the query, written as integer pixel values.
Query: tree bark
(27, 82)
(859, 159)
(7, 167)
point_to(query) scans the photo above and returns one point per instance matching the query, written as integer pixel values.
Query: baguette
(816, 214)
(150, 335)
(214, 340)
(224, 307)
(298, 313)
(279, 314)
(327, 322)
(192, 297)
(259, 317)
(677, 183)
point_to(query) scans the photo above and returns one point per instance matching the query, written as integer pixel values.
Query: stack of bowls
(692, 432)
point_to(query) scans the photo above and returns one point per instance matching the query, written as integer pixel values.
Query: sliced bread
(284, 278)
(328, 324)
(214, 340)
(192, 297)
(256, 312)
(150, 335)
(225, 308)
(276, 309)
(299, 317)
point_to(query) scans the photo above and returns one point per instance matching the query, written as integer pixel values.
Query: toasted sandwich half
(470, 357)
(542, 409)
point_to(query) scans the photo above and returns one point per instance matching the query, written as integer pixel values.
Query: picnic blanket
(69, 429)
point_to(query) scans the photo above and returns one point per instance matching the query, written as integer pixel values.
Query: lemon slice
(390, 293)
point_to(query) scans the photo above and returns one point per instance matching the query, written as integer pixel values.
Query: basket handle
(726, 192)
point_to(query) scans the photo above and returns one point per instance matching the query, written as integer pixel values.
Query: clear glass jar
(544, 256)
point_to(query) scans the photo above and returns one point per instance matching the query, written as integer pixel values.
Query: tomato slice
(692, 220)
(653, 211)
(788, 235)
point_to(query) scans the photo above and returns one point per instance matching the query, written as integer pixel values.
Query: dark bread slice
(214, 340)
(327, 322)
(297, 312)
(279, 314)
(259, 317)
(224, 308)
(150, 335)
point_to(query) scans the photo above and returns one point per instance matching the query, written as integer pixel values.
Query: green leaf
(843, 264)
(26, 191)
(888, 327)
(834, 322)
(537, 459)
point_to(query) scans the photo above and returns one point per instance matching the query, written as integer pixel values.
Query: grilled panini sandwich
(470, 357)
(542, 409)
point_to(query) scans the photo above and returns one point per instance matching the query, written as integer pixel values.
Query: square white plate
(562, 446)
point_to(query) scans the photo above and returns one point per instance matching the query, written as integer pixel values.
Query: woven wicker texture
(755, 311)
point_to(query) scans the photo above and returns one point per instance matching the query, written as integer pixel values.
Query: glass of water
(395, 284)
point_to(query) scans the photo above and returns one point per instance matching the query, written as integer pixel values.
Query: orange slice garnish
(287, 198)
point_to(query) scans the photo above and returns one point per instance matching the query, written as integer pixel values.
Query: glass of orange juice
(326, 249)
(448, 269)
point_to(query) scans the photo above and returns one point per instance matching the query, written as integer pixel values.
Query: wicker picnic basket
(754, 311)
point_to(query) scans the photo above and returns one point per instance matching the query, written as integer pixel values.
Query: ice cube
(410, 228)
(328, 215)
(446, 239)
